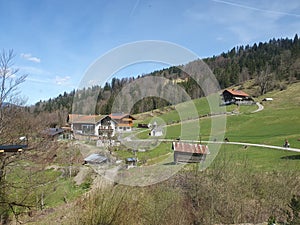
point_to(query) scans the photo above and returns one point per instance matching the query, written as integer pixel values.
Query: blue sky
(55, 41)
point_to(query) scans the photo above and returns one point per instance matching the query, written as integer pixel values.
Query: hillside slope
(271, 65)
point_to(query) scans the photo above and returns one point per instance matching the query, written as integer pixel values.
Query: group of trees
(271, 64)
(277, 59)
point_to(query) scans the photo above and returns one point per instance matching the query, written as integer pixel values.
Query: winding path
(260, 107)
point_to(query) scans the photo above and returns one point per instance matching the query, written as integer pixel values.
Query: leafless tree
(9, 79)
(265, 80)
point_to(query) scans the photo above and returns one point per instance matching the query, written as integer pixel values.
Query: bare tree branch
(9, 78)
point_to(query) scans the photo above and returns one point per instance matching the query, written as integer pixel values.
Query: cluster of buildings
(106, 126)
(100, 125)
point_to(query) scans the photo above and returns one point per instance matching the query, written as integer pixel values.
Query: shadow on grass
(291, 157)
(169, 163)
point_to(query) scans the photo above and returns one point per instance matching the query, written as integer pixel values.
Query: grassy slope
(279, 120)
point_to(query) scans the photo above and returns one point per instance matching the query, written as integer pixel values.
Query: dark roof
(107, 116)
(190, 148)
(53, 131)
(237, 92)
(131, 160)
(12, 148)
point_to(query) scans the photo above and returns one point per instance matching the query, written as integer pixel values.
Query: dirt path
(260, 107)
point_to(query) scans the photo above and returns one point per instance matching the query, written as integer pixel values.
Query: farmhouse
(100, 125)
(106, 126)
(189, 153)
(232, 96)
(124, 121)
(83, 124)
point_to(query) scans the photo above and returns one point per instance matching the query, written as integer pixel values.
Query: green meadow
(279, 120)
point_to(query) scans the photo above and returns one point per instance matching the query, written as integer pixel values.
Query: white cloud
(247, 22)
(29, 57)
(274, 8)
(62, 80)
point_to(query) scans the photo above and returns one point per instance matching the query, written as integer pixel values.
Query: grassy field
(256, 159)
(279, 120)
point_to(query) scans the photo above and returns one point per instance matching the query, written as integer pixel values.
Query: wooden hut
(189, 152)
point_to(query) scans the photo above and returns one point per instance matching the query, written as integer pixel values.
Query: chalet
(100, 125)
(124, 121)
(232, 96)
(189, 153)
(106, 126)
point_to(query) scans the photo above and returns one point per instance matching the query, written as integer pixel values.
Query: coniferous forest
(272, 65)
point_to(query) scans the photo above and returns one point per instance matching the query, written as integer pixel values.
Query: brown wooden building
(232, 96)
(124, 121)
(189, 152)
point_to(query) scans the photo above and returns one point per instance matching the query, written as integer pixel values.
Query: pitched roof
(95, 158)
(78, 118)
(53, 131)
(119, 116)
(11, 148)
(237, 92)
(190, 148)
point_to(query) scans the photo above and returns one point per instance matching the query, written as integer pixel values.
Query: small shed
(95, 158)
(157, 132)
(53, 133)
(267, 99)
(143, 125)
(131, 162)
(12, 148)
(189, 152)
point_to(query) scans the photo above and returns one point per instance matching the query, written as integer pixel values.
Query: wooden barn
(189, 152)
(232, 96)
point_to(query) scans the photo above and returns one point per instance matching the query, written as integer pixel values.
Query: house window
(88, 129)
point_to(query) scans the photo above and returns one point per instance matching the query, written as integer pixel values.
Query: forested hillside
(272, 65)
